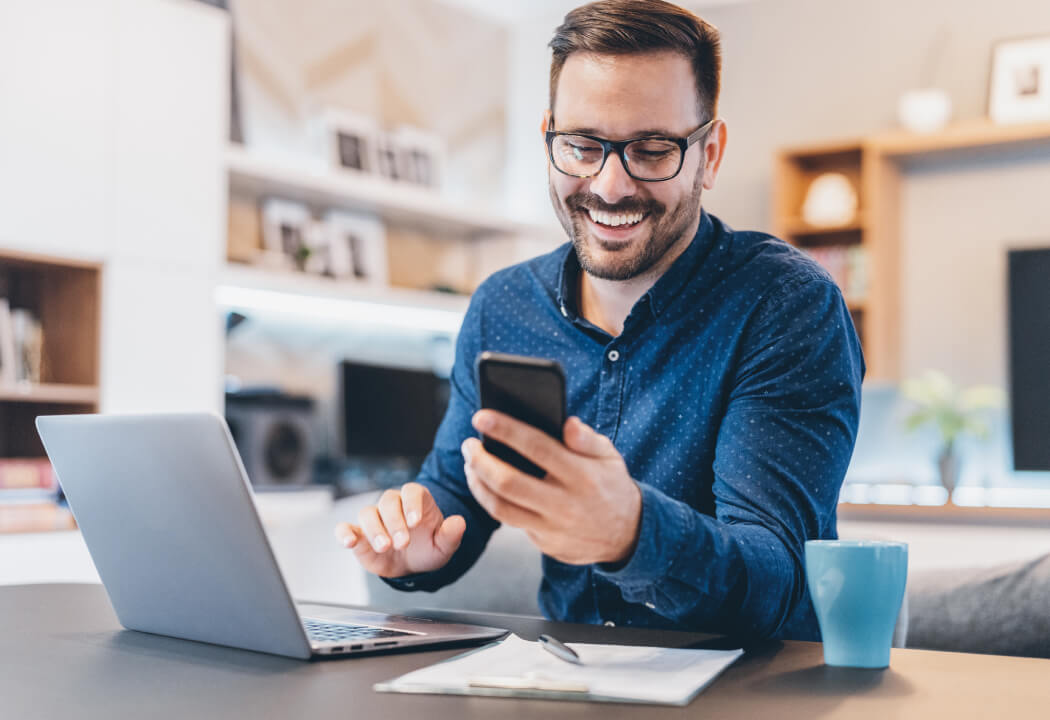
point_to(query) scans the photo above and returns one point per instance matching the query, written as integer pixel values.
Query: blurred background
(277, 210)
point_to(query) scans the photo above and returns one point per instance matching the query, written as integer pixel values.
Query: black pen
(559, 649)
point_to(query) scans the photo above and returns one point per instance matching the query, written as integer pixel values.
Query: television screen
(1029, 308)
(391, 412)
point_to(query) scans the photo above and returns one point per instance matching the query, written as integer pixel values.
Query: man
(714, 376)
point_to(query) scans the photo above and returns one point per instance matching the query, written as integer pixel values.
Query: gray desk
(63, 655)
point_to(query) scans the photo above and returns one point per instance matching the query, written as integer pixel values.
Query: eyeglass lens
(647, 159)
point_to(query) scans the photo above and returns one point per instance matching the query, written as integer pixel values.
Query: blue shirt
(733, 394)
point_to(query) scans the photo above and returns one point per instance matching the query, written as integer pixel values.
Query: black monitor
(1029, 290)
(391, 412)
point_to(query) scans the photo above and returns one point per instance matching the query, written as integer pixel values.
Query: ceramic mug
(857, 588)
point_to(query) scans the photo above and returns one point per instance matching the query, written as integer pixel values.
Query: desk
(63, 654)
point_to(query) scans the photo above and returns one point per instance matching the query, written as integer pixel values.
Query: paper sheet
(609, 672)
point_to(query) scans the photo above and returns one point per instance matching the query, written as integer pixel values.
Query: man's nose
(613, 183)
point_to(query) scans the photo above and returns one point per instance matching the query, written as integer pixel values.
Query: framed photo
(353, 140)
(285, 231)
(1020, 81)
(356, 247)
(421, 156)
(387, 156)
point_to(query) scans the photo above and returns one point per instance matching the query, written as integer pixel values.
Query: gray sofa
(1003, 610)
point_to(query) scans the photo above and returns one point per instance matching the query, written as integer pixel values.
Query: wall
(412, 62)
(111, 144)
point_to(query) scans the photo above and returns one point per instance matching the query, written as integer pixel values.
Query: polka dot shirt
(733, 394)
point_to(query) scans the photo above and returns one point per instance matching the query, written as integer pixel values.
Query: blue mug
(857, 588)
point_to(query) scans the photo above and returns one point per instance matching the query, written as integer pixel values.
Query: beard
(667, 229)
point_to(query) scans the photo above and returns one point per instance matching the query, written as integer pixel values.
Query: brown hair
(620, 27)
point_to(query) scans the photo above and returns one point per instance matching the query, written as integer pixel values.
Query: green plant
(953, 410)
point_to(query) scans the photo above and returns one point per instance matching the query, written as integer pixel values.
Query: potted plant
(954, 412)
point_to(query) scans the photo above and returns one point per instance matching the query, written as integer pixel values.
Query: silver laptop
(167, 513)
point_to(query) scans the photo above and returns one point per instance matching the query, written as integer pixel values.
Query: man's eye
(579, 152)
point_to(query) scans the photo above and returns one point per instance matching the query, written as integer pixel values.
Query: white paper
(609, 672)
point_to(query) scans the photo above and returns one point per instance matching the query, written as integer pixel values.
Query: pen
(559, 649)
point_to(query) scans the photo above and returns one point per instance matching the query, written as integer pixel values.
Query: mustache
(590, 201)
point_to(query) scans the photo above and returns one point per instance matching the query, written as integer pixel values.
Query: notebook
(610, 673)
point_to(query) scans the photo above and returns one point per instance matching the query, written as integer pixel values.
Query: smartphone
(527, 388)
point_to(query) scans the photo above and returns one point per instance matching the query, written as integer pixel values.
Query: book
(27, 474)
(7, 345)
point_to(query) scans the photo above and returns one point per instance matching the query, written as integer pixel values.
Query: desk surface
(63, 654)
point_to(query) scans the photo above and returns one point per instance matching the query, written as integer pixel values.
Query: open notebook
(609, 673)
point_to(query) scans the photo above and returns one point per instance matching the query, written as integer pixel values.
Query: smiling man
(713, 375)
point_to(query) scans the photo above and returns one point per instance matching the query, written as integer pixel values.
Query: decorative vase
(924, 111)
(949, 466)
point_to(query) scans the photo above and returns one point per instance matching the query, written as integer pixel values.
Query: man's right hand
(404, 533)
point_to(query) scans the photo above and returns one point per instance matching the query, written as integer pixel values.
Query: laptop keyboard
(337, 632)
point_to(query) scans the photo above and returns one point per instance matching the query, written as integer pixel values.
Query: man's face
(618, 97)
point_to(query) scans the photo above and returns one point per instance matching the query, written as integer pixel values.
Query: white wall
(112, 133)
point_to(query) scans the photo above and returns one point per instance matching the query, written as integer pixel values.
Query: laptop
(166, 511)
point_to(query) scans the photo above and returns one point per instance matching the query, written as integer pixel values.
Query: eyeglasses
(649, 159)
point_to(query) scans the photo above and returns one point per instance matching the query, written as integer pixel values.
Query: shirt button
(609, 623)
(409, 583)
(650, 606)
(613, 355)
(564, 312)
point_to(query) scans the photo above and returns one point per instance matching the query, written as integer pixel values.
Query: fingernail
(465, 449)
(349, 541)
(483, 421)
(400, 539)
(379, 542)
(412, 518)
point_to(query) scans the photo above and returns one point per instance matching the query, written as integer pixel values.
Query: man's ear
(714, 151)
(544, 126)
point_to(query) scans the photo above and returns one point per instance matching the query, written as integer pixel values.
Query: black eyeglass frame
(620, 145)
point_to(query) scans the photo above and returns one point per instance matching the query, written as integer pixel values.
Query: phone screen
(529, 389)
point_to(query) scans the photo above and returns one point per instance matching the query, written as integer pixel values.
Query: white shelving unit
(404, 204)
(320, 298)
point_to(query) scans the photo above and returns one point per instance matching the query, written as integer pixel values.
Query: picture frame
(285, 230)
(357, 247)
(421, 156)
(1019, 85)
(352, 140)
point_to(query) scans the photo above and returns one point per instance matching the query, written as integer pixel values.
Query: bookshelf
(874, 166)
(64, 295)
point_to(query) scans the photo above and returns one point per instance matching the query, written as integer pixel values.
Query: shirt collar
(663, 291)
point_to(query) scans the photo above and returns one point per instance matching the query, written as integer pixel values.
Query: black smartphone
(527, 388)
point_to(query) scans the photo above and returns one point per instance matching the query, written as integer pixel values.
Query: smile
(615, 219)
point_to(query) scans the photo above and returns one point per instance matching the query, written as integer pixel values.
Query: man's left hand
(586, 509)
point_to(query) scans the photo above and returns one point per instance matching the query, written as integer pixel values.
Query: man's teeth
(612, 220)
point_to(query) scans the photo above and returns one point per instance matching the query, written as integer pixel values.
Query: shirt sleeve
(442, 471)
(781, 456)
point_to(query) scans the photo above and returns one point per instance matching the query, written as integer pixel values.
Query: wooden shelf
(64, 295)
(51, 393)
(798, 226)
(964, 136)
(873, 165)
(397, 203)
